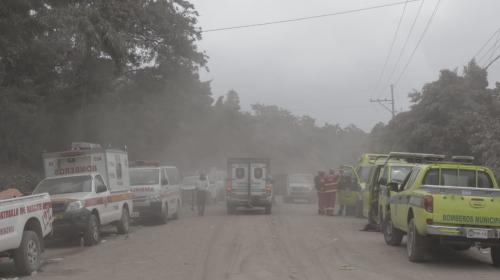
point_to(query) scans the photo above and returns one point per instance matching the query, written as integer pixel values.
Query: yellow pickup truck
(352, 189)
(453, 203)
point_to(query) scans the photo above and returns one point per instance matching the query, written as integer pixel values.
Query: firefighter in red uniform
(331, 183)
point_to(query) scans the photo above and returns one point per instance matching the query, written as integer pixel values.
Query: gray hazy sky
(328, 68)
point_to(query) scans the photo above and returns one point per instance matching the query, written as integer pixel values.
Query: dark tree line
(126, 72)
(455, 115)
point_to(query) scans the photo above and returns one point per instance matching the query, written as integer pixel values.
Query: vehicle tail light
(428, 203)
(229, 186)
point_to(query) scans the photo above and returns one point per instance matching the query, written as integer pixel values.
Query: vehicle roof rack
(416, 157)
(463, 159)
(374, 157)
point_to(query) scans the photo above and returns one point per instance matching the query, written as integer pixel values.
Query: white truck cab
(300, 186)
(157, 190)
(24, 223)
(89, 188)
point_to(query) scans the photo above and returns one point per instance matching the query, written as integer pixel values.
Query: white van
(157, 191)
(249, 184)
(89, 187)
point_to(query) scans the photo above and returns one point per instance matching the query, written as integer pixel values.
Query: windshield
(458, 178)
(364, 173)
(190, 180)
(301, 179)
(143, 176)
(399, 173)
(76, 184)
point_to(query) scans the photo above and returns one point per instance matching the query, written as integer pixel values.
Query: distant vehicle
(217, 179)
(249, 184)
(300, 186)
(189, 183)
(89, 187)
(24, 223)
(156, 190)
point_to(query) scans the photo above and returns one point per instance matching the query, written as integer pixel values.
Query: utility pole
(385, 101)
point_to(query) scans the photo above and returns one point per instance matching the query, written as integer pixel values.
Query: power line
(492, 50)
(407, 40)
(487, 42)
(391, 47)
(309, 17)
(419, 41)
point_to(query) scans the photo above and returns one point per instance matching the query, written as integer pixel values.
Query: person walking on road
(201, 193)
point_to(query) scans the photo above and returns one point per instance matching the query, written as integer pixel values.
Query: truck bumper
(148, 209)
(254, 201)
(71, 222)
(459, 234)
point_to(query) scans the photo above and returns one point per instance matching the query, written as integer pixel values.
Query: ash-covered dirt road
(292, 243)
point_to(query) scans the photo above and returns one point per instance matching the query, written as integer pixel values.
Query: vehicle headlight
(75, 205)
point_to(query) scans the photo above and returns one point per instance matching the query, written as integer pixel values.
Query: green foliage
(455, 115)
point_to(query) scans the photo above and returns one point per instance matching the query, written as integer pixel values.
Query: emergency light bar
(416, 157)
(463, 159)
(140, 163)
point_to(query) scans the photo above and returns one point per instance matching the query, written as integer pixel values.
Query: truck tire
(267, 210)
(27, 257)
(91, 234)
(123, 225)
(416, 245)
(392, 235)
(495, 256)
(163, 216)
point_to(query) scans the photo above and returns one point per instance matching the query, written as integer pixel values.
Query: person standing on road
(201, 193)
(318, 185)
(330, 186)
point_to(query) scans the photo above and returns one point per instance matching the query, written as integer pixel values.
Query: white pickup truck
(89, 188)
(24, 223)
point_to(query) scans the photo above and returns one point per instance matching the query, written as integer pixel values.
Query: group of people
(326, 185)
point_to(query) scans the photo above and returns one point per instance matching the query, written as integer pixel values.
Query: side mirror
(101, 189)
(393, 186)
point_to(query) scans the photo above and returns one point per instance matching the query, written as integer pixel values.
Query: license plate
(135, 215)
(477, 233)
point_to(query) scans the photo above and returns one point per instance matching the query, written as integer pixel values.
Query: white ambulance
(157, 191)
(89, 187)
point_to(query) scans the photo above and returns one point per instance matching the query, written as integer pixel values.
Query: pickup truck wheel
(416, 245)
(122, 226)
(27, 256)
(392, 236)
(495, 256)
(91, 234)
